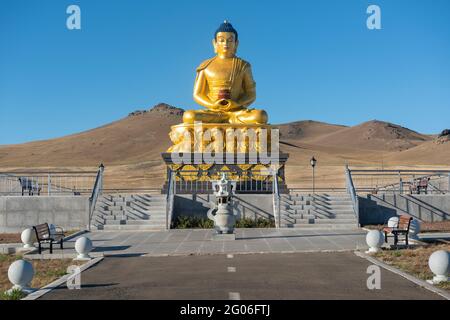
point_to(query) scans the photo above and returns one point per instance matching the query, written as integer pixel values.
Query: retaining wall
(18, 213)
(377, 209)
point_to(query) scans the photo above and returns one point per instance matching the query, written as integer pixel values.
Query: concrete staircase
(130, 212)
(319, 211)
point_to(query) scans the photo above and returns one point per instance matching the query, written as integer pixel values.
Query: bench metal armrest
(59, 230)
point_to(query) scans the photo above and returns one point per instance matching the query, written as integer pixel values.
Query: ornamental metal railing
(193, 181)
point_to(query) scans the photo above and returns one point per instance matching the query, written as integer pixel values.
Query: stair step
(146, 222)
(337, 211)
(300, 206)
(112, 217)
(134, 227)
(115, 222)
(295, 211)
(299, 216)
(334, 221)
(321, 226)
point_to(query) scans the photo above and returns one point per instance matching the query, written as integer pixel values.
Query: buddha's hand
(226, 105)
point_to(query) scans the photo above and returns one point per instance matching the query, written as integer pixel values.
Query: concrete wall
(249, 206)
(18, 213)
(377, 209)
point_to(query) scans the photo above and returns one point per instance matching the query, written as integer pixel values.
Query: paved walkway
(338, 275)
(199, 241)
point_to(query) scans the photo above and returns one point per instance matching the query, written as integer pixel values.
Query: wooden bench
(402, 228)
(44, 235)
(30, 185)
(419, 186)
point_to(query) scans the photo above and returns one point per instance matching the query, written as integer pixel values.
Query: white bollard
(20, 274)
(374, 240)
(414, 229)
(439, 263)
(28, 236)
(83, 246)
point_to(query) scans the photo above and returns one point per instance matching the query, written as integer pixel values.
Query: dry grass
(414, 260)
(10, 238)
(45, 271)
(15, 237)
(441, 226)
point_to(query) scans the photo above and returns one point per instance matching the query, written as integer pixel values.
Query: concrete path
(340, 275)
(199, 241)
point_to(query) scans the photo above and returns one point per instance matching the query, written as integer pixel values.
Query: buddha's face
(225, 44)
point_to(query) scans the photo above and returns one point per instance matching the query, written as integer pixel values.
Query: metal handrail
(436, 188)
(170, 199)
(276, 200)
(352, 192)
(384, 171)
(96, 191)
(46, 183)
(398, 187)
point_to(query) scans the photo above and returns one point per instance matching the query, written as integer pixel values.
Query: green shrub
(258, 223)
(188, 222)
(15, 294)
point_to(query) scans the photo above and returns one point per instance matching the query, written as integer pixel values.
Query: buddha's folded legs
(249, 116)
(207, 116)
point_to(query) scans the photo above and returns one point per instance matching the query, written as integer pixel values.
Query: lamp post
(313, 162)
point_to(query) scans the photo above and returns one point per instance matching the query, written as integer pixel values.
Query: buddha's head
(225, 40)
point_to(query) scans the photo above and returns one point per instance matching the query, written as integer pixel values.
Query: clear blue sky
(311, 60)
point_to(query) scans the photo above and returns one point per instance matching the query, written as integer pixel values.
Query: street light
(313, 162)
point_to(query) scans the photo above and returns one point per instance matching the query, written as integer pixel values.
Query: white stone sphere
(439, 262)
(28, 237)
(393, 222)
(374, 239)
(414, 228)
(20, 273)
(83, 246)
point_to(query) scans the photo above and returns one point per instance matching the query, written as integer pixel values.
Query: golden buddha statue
(227, 136)
(224, 85)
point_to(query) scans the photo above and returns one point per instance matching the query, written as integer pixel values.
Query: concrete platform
(199, 241)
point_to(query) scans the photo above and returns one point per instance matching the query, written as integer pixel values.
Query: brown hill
(141, 136)
(130, 148)
(435, 152)
(308, 129)
(373, 135)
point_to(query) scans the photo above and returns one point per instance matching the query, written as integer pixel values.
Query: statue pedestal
(191, 175)
(223, 237)
(222, 137)
(247, 153)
